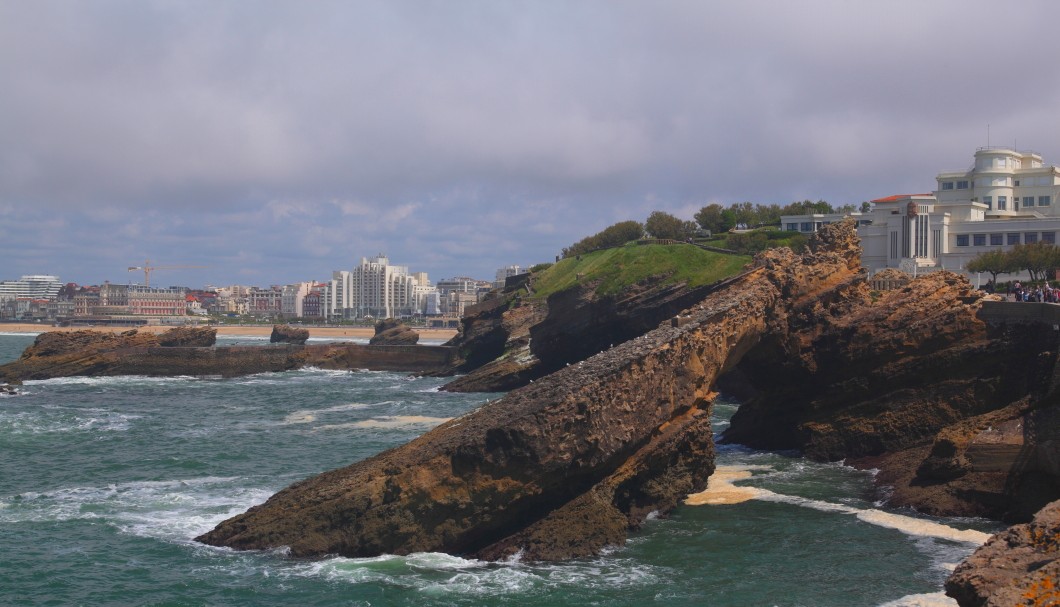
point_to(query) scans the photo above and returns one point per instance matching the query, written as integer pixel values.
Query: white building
(292, 297)
(33, 286)
(377, 289)
(506, 273)
(1005, 198)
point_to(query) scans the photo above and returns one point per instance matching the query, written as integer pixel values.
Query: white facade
(34, 286)
(292, 298)
(1006, 198)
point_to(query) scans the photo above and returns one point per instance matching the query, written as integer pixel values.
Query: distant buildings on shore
(373, 289)
(1007, 197)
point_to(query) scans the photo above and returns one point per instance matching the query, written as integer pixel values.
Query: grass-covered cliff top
(622, 267)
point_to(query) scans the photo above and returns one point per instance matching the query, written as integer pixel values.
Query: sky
(274, 142)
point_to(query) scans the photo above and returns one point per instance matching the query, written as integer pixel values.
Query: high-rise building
(31, 286)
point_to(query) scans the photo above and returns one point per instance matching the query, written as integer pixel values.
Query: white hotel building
(376, 289)
(1006, 198)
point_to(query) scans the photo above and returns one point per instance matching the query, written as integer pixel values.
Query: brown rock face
(1019, 566)
(188, 337)
(288, 335)
(393, 332)
(566, 465)
(915, 384)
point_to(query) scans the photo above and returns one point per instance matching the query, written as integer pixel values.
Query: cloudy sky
(274, 142)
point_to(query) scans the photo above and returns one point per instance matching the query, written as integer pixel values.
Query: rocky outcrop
(513, 339)
(1019, 566)
(951, 411)
(188, 337)
(567, 465)
(96, 353)
(393, 332)
(288, 335)
(8, 390)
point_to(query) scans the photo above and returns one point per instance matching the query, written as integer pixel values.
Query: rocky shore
(566, 465)
(190, 351)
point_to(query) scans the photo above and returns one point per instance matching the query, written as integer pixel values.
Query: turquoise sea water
(105, 481)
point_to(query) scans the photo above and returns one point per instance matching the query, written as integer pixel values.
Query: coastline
(363, 332)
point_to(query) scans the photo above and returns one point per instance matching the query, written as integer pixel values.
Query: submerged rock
(1019, 566)
(288, 334)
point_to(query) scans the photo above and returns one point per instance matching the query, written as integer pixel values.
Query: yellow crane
(148, 268)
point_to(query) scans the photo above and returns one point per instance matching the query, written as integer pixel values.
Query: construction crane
(148, 268)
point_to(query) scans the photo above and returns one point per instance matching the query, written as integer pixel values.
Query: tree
(1039, 259)
(665, 225)
(993, 262)
(866, 206)
(709, 217)
(612, 236)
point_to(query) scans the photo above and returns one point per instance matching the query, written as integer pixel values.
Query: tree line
(713, 217)
(1039, 259)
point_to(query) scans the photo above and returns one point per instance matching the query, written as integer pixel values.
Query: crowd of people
(1038, 293)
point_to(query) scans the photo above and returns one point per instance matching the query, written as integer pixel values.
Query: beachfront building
(376, 289)
(505, 273)
(382, 290)
(1007, 197)
(292, 299)
(152, 301)
(31, 286)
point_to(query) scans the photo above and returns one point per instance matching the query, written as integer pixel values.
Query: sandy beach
(365, 332)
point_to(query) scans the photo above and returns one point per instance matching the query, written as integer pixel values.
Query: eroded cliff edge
(567, 465)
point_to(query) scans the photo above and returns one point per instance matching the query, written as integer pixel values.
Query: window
(996, 240)
(1016, 183)
(962, 240)
(979, 240)
(1002, 203)
(989, 202)
(947, 185)
(1049, 237)
(1030, 237)
(1044, 201)
(1028, 201)
(793, 227)
(962, 185)
(807, 226)
(1013, 238)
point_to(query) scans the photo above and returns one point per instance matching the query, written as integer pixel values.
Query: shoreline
(255, 330)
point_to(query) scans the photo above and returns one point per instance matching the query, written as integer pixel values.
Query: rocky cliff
(1019, 566)
(567, 465)
(514, 339)
(957, 414)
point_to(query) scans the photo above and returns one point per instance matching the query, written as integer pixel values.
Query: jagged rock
(393, 332)
(514, 341)
(288, 334)
(1019, 566)
(188, 337)
(879, 381)
(562, 467)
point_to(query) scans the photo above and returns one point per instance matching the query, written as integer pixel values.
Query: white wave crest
(176, 510)
(933, 599)
(389, 422)
(725, 492)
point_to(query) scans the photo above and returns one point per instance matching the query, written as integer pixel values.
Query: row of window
(1008, 238)
(961, 185)
(1028, 201)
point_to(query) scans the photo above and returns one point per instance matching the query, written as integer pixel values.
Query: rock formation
(508, 341)
(393, 332)
(1019, 566)
(956, 414)
(60, 354)
(567, 465)
(288, 335)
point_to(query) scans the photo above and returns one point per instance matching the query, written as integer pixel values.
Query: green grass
(622, 267)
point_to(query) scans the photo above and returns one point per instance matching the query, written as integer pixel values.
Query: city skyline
(274, 142)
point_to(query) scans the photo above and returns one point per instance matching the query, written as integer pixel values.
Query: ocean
(105, 481)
